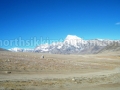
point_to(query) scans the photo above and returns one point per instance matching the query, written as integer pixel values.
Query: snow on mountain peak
(73, 40)
(72, 37)
(71, 44)
(16, 49)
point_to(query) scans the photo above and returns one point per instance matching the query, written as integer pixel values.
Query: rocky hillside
(111, 48)
(1, 49)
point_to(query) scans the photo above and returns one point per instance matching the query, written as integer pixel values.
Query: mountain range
(2, 49)
(73, 44)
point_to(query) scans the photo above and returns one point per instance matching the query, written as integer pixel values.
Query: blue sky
(55, 19)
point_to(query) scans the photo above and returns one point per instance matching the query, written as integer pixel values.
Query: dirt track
(27, 71)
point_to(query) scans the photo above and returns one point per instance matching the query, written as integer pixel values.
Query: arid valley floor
(28, 71)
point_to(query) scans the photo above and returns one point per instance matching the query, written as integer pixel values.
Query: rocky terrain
(30, 71)
(111, 48)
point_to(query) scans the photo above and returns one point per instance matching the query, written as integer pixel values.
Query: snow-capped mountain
(73, 40)
(74, 44)
(16, 49)
(20, 50)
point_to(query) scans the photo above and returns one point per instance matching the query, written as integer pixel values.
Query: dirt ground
(28, 71)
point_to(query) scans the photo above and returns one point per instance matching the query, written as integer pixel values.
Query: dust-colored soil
(28, 71)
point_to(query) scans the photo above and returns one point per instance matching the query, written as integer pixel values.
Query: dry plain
(28, 71)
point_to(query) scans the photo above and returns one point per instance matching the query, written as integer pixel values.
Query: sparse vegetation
(27, 71)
